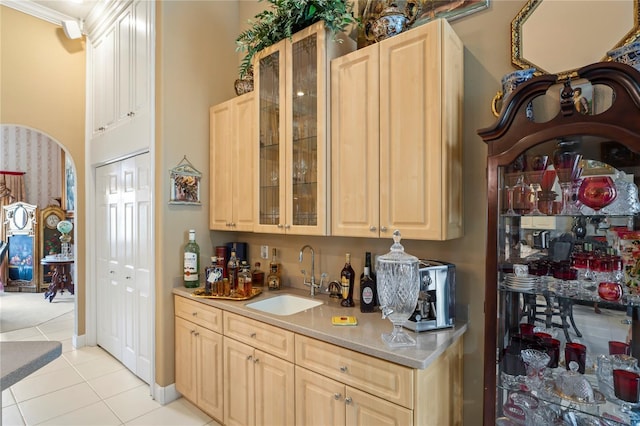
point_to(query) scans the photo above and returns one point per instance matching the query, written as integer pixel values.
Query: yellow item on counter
(347, 320)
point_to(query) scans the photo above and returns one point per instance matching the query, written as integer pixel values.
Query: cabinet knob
(253, 335)
(233, 224)
(196, 334)
(337, 396)
(194, 313)
(112, 272)
(193, 331)
(101, 128)
(287, 226)
(372, 228)
(348, 400)
(383, 229)
(131, 114)
(343, 368)
(280, 226)
(256, 360)
(249, 358)
(128, 277)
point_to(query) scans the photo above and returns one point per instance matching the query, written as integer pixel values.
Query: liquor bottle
(347, 277)
(191, 264)
(232, 272)
(367, 297)
(209, 285)
(257, 276)
(244, 280)
(273, 279)
(213, 277)
(372, 275)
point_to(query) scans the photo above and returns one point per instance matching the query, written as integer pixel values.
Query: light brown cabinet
(396, 136)
(199, 355)
(232, 139)
(323, 401)
(292, 86)
(259, 387)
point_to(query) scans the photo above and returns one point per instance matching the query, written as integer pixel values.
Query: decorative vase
(245, 84)
(392, 21)
(628, 54)
(509, 83)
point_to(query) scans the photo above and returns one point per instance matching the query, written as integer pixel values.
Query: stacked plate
(527, 282)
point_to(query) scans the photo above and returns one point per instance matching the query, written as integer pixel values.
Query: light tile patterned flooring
(86, 386)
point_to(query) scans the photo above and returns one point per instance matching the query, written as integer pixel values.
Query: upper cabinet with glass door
(292, 85)
(563, 220)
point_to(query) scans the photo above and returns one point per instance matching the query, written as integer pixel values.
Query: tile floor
(86, 386)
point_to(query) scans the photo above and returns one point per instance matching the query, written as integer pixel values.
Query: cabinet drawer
(384, 379)
(199, 313)
(268, 338)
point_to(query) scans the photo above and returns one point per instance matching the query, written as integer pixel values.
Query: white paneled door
(125, 260)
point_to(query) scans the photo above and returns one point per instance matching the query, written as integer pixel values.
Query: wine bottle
(347, 277)
(367, 297)
(191, 263)
(257, 277)
(372, 275)
(244, 280)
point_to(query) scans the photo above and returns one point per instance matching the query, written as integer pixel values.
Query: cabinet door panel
(186, 377)
(210, 378)
(199, 313)
(364, 410)
(355, 163)
(274, 392)
(319, 400)
(244, 128)
(410, 148)
(239, 406)
(220, 159)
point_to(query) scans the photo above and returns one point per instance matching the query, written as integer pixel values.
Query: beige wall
(42, 86)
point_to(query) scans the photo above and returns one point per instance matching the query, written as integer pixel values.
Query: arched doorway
(49, 179)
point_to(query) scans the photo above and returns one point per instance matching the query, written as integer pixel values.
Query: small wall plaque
(185, 183)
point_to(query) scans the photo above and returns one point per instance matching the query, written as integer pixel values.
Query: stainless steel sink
(284, 304)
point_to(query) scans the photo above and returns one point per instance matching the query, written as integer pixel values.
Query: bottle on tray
(273, 279)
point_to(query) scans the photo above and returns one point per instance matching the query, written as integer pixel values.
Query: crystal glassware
(535, 362)
(534, 171)
(513, 177)
(597, 192)
(567, 166)
(398, 287)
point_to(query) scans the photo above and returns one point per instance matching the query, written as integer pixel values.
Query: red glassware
(548, 178)
(568, 170)
(575, 352)
(626, 385)
(597, 192)
(610, 291)
(616, 348)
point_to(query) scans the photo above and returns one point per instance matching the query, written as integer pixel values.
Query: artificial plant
(285, 18)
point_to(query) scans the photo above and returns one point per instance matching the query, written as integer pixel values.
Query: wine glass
(398, 288)
(597, 192)
(534, 171)
(567, 166)
(512, 178)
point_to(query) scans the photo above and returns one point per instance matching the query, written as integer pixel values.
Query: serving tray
(201, 294)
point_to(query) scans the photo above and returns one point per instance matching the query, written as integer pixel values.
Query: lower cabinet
(323, 401)
(259, 387)
(248, 373)
(199, 366)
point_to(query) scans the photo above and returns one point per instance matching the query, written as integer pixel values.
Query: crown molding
(38, 11)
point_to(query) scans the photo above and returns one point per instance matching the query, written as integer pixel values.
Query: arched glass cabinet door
(563, 218)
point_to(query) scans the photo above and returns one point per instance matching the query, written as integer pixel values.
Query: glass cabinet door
(567, 280)
(303, 98)
(270, 89)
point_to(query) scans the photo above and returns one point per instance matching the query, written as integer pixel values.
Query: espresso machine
(437, 298)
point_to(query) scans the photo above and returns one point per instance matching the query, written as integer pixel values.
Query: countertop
(19, 359)
(364, 338)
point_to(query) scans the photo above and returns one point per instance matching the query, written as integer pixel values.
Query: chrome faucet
(311, 283)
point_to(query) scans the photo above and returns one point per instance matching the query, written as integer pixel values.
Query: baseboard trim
(78, 341)
(166, 394)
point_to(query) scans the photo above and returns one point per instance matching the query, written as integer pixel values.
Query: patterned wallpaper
(27, 150)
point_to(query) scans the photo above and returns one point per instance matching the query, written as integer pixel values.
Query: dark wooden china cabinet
(601, 145)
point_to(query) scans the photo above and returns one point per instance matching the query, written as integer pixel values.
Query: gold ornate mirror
(558, 37)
